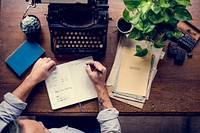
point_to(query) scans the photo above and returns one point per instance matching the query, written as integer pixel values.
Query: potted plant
(155, 17)
(30, 25)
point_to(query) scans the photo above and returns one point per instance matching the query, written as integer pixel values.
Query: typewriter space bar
(63, 50)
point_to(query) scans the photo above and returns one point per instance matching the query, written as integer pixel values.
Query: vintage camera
(78, 27)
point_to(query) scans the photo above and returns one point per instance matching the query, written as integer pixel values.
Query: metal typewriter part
(78, 27)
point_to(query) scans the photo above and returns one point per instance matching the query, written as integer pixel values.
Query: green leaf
(151, 34)
(166, 16)
(164, 3)
(169, 34)
(139, 25)
(159, 43)
(132, 5)
(155, 18)
(182, 14)
(184, 2)
(126, 15)
(148, 27)
(135, 18)
(155, 8)
(136, 34)
(145, 7)
(177, 33)
(141, 52)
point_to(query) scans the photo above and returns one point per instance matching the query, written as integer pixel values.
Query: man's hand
(98, 80)
(41, 70)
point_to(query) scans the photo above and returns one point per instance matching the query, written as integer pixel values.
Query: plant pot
(123, 26)
(31, 26)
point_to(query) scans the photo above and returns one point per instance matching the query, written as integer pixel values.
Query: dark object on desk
(171, 50)
(24, 56)
(190, 36)
(79, 29)
(187, 42)
(180, 56)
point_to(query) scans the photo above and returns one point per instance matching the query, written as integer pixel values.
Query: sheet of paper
(129, 102)
(60, 87)
(82, 83)
(116, 65)
(134, 71)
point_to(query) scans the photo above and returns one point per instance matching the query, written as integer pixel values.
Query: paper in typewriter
(69, 84)
(134, 71)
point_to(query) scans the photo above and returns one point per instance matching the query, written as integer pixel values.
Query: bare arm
(40, 72)
(98, 80)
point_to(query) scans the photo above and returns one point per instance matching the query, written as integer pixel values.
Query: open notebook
(69, 84)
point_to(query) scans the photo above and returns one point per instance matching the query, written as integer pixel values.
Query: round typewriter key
(101, 45)
(57, 46)
(55, 32)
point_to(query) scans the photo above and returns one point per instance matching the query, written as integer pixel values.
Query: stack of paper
(131, 76)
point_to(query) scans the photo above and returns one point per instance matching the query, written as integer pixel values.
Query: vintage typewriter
(78, 27)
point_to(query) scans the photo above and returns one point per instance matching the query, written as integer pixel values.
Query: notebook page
(82, 83)
(60, 87)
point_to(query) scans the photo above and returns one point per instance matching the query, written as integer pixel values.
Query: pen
(95, 69)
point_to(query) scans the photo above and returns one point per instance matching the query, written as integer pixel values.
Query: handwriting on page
(59, 86)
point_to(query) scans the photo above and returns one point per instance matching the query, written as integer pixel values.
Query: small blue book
(24, 56)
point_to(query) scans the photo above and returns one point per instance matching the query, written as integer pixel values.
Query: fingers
(88, 69)
(97, 65)
(48, 63)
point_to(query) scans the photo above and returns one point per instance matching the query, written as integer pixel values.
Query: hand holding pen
(96, 72)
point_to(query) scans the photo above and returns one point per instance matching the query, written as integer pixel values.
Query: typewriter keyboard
(79, 42)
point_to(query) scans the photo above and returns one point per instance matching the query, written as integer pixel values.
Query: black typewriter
(78, 27)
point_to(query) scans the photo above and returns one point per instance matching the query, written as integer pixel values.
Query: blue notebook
(24, 56)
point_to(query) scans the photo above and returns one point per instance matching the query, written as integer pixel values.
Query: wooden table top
(175, 89)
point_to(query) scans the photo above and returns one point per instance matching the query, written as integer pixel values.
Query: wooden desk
(175, 89)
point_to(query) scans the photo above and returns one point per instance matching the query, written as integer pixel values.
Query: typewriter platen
(78, 27)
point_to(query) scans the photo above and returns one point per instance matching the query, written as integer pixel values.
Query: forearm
(24, 88)
(103, 98)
